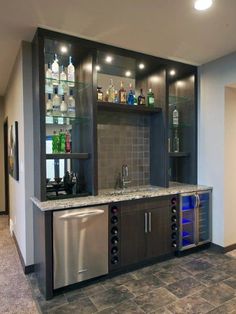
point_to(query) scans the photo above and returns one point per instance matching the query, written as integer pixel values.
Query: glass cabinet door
(204, 217)
(187, 218)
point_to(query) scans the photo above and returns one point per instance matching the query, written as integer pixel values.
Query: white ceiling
(165, 28)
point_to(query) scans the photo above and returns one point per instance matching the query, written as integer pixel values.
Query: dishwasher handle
(82, 214)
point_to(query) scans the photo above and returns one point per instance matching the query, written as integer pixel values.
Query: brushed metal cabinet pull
(145, 223)
(150, 222)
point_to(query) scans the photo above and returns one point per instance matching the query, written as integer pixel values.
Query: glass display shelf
(109, 106)
(67, 156)
(79, 86)
(64, 120)
(175, 100)
(179, 154)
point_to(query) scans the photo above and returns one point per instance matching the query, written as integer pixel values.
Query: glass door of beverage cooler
(204, 217)
(187, 221)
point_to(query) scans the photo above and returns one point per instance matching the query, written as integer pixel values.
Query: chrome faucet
(124, 176)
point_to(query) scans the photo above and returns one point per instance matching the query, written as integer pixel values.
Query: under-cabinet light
(202, 5)
(172, 72)
(127, 73)
(64, 49)
(108, 59)
(98, 68)
(141, 66)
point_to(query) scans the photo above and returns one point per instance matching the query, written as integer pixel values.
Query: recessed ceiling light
(109, 59)
(64, 49)
(202, 5)
(127, 73)
(98, 68)
(172, 72)
(141, 66)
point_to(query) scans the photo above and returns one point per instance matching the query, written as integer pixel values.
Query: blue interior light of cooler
(185, 234)
(186, 242)
(186, 221)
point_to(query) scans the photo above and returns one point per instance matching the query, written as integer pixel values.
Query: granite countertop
(110, 196)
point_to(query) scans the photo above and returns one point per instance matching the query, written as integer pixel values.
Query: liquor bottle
(122, 94)
(48, 80)
(62, 140)
(175, 118)
(176, 142)
(111, 92)
(71, 73)
(55, 142)
(49, 106)
(116, 97)
(99, 94)
(71, 104)
(106, 96)
(150, 98)
(63, 106)
(56, 103)
(130, 98)
(68, 146)
(55, 71)
(63, 86)
(141, 98)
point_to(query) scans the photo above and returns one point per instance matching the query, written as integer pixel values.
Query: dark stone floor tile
(83, 306)
(143, 285)
(229, 267)
(127, 307)
(211, 276)
(146, 271)
(162, 310)
(117, 281)
(216, 259)
(171, 274)
(197, 266)
(55, 302)
(231, 282)
(111, 297)
(190, 305)
(217, 294)
(227, 307)
(154, 300)
(74, 295)
(184, 287)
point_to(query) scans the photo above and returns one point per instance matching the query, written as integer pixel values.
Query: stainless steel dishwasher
(80, 244)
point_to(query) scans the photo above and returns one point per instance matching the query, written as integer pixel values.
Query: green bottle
(55, 142)
(150, 98)
(62, 140)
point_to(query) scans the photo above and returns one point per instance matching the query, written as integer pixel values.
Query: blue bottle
(130, 99)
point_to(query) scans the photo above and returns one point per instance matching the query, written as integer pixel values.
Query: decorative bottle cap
(55, 90)
(63, 98)
(49, 65)
(70, 60)
(49, 96)
(71, 92)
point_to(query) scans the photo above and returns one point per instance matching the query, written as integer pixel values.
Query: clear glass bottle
(49, 106)
(71, 104)
(63, 106)
(176, 142)
(48, 80)
(71, 73)
(150, 98)
(55, 71)
(116, 97)
(56, 103)
(99, 94)
(141, 98)
(130, 99)
(63, 86)
(175, 118)
(111, 92)
(122, 94)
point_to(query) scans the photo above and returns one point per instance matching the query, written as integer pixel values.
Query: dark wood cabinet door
(159, 232)
(133, 237)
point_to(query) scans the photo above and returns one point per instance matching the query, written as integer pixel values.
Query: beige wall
(230, 166)
(2, 190)
(18, 107)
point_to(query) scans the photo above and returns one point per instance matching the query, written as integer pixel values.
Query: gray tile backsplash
(123, 139)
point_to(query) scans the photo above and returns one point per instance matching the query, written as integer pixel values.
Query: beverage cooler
(195, 219)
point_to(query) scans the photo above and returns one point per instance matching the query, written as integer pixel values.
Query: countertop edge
(106, 199)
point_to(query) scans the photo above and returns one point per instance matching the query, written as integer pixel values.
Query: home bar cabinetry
(107, 118)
